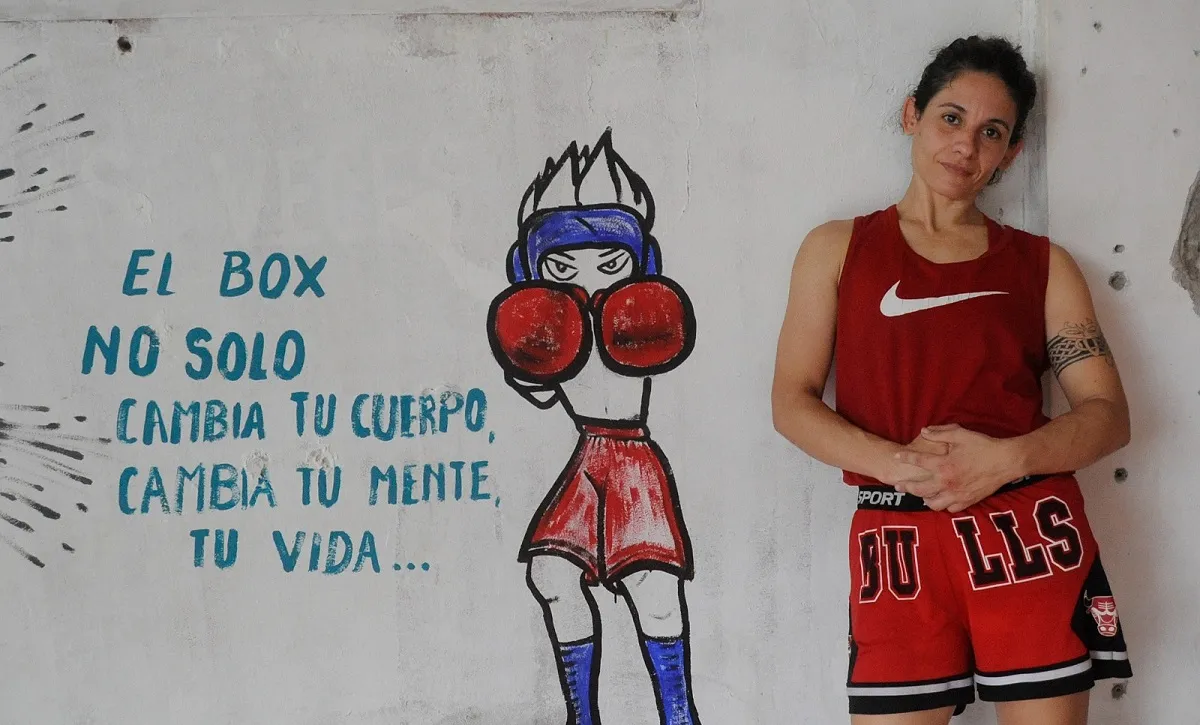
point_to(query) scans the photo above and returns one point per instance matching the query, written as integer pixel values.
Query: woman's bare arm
(1098, 422)
(802, 361)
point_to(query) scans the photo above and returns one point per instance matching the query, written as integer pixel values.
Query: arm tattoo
(1075, 342)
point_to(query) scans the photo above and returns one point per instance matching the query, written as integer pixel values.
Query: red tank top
(920, 343)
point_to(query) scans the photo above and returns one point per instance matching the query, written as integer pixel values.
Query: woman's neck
(936, 213)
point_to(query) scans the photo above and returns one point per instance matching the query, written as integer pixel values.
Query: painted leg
(574, 628)
(656, 600)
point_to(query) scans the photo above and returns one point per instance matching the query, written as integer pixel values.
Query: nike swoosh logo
(892, 305)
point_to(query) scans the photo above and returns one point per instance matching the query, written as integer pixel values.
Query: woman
(972, 563)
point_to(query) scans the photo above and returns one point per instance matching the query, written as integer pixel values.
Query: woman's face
(964, 135)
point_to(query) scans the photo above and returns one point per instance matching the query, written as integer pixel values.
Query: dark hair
(996, 56)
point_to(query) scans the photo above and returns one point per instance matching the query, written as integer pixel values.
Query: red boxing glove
(646, 326)
(539, 331)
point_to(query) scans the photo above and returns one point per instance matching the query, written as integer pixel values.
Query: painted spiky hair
(577, 179)
(586, 197)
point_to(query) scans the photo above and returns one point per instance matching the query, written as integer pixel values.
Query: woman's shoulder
(1030, 246)
(831, 232)
(1053, 262)
(829, 245)
(1060, 262)
(1022, 236)
(838, 232)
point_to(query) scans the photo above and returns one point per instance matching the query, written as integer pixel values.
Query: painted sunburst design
(43, 476)
(26, 185)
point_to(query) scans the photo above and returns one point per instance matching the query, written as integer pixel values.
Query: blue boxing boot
(667, 660)
(578, 668)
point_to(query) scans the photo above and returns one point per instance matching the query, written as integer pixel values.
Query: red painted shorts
(1008, 597)
(613, 510)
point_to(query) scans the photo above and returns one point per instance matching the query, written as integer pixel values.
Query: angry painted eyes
(593, 268)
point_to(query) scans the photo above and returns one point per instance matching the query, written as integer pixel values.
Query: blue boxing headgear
(581, 226)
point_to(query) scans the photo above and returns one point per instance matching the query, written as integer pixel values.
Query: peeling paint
(1185, 258)
(255, 462)
(321, 457)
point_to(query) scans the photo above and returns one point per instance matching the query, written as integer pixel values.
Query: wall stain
(424, 37)
(1118, 281)
(1185, 258)
(133, 25)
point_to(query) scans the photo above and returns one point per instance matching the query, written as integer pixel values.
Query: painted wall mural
(47, 454)
(30, 184)
(41, 458)
(43, 461)
(588, 319)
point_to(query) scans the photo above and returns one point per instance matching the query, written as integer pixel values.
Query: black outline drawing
(642, 324)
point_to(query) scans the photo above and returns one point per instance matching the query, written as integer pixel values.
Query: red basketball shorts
(1008, 597)
(613, 510)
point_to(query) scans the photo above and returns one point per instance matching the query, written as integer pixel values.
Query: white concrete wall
(399, 148)
(1123, 145)
(158, 9)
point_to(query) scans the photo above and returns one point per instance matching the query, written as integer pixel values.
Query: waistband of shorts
(619, 432)
(886, 498)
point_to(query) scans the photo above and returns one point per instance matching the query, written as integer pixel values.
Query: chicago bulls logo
(1104, 611)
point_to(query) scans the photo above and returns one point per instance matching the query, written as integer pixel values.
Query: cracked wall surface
(1185, 257)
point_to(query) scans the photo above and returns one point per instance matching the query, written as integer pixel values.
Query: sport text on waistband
(886, 498)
